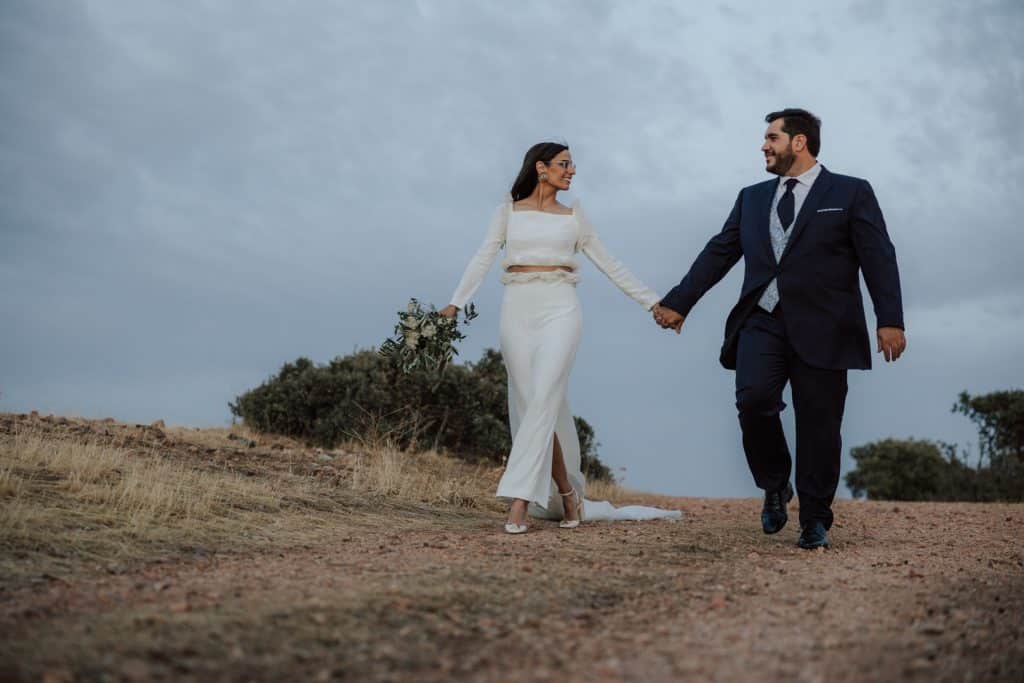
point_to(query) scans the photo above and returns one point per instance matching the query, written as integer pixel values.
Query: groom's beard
(783, 162)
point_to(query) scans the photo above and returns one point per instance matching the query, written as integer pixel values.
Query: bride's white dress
(540, 326)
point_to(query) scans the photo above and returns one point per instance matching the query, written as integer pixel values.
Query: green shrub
(365, 397)
(896, 469)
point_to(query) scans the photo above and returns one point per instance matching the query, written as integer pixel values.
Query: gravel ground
(919, 591)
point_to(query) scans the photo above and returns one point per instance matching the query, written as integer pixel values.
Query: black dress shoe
(813, 536)
(773, 514)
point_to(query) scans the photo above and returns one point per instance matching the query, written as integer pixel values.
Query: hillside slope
(138, 552)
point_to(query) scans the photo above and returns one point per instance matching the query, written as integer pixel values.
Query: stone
(58, 676)
(930, 628)
(136, 670)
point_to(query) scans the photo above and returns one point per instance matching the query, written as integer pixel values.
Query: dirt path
(909, 591)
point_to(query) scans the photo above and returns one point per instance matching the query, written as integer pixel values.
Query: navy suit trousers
(765, 361)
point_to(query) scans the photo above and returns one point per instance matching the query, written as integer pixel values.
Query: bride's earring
(541, 178)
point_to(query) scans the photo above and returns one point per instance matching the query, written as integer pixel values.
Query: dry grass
(77, 492)
(442, 480)
(221, 437)
(610, 491)
(78, 500)
(425, 478)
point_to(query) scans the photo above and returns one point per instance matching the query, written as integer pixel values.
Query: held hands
(449, 311)
(667, 318)
(891, 342)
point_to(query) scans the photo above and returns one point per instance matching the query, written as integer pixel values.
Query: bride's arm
(612, 267)
(481, 261)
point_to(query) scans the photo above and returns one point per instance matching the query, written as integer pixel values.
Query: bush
(910, 469)
(363, 396)
(922, 470)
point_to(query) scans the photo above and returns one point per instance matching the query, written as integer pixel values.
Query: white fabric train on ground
(602, 510)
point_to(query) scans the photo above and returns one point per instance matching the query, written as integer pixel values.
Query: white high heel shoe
(513, 528)
(572, 523)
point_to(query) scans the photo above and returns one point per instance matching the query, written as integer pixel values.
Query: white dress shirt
(770, 299)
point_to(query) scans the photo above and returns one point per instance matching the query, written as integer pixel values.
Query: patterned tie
(786, 203)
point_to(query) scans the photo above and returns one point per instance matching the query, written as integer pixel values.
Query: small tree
(999, 417)
(1000, 420)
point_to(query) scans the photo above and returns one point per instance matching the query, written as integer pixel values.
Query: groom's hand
(891, 342)
(668, 318)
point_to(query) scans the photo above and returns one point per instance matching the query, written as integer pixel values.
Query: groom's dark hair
(800, 122)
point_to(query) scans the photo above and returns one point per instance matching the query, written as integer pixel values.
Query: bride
(540, 330)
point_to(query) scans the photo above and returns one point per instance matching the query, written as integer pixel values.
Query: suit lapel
(809, 208)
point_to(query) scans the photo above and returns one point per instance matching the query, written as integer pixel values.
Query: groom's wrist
(889, 321)
(676, 305)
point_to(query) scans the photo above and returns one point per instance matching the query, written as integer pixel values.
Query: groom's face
(778, 149)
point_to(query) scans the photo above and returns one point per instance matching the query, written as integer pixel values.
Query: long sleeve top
(541, 238)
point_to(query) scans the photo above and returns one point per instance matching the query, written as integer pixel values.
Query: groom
(804, 238)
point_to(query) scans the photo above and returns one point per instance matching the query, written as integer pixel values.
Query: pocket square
(837, 208)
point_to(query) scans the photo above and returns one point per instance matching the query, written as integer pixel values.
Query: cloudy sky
(192, 194)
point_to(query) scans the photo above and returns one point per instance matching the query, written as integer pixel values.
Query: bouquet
(424, 339)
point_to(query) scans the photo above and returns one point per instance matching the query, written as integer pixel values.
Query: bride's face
(560, 170)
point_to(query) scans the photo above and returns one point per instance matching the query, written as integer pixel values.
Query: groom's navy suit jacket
(839, 231)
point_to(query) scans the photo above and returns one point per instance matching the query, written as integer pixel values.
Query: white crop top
(541, 238)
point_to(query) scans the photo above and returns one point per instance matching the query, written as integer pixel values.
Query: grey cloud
(190, 197)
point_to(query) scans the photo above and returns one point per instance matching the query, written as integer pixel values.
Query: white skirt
(541, 325)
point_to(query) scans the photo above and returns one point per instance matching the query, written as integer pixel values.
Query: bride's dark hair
(527, 178)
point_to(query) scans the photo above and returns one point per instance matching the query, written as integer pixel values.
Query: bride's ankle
(517, 511)
(570, 501)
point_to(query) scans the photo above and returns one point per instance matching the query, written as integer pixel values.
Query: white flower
(412, 339)
(411, 308)
(428, 331)
(411, 321)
